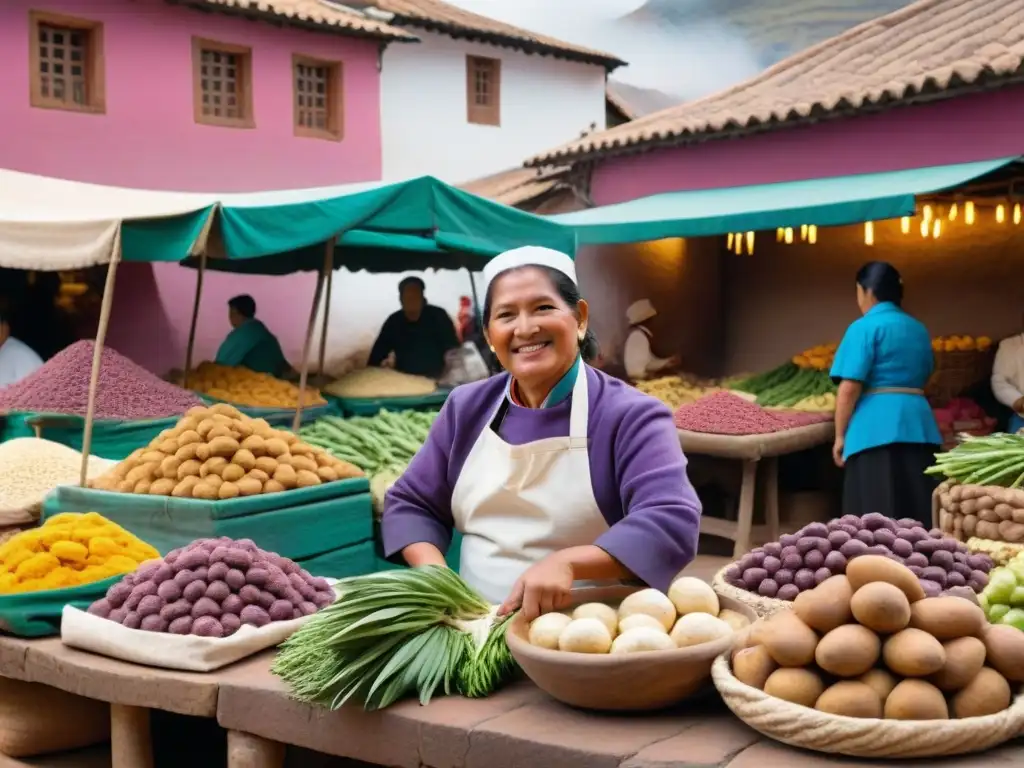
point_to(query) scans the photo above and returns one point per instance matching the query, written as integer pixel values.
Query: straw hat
(639, 311)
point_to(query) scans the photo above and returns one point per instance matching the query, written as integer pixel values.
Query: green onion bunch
(394, 634)
(990, 460)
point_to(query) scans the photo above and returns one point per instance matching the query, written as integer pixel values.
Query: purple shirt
(637, 470)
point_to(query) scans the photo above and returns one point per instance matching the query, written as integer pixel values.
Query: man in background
(17, 359)
(415, 339)
(250, 344)
(640, 361)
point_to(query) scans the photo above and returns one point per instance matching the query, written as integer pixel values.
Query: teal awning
(824, 202)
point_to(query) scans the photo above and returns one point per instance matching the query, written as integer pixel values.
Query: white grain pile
(30, 468)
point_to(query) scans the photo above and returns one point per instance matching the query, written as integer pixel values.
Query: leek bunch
(990, 460)
(394, 634)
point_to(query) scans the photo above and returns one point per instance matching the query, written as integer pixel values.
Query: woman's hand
(544, 588)
(837, 451)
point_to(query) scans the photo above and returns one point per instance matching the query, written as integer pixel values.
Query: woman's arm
(846, 400)
(851, 368)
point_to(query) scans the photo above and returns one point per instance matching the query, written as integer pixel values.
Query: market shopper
(886, 435)
(553, 471)
(250, 344)
(1008, 379)
(639, 360)
(416, 338)
(17, 359)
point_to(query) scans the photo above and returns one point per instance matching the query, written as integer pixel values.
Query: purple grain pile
(126, 390)
(211, 588)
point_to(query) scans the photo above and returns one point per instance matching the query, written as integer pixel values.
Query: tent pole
(304, 371)
(97, 357)
(327, 317)
(195, 319)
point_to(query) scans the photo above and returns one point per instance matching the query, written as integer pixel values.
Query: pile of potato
(870, 644)
(245, 387)
(220, 453)
(647, 620)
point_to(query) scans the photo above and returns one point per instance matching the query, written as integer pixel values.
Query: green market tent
(825, 202)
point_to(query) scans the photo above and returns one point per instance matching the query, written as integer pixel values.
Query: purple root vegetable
(281, 610)
(266, 600)
(238, 558)
(768, 588)
(150, 605)
(184, 577)
(258, 577)
(254, 615)
(307, 608)
(194, 591)
(180, 626)
(132, 620)
(814, 560)
(169, 591)
(176, 610)
(782, 577)
(217, 572)
(100, 608)
(118, 615)
(218, 591)
(204, 606)
(235, 579)
(193, 559)
(207, 626)
(230, 622)
(232, 604)
(250, 594)
(153, 623)
(787, 592)
(118, 593)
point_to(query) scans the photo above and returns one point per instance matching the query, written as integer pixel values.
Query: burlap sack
(36, 719)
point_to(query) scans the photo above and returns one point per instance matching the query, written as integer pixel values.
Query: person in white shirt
(1008, 379)
(17, 359)
(640, 361)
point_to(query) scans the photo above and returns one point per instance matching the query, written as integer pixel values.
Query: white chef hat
(639, 311)
(529, 256)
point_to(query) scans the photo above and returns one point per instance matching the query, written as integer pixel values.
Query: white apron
(516, 504)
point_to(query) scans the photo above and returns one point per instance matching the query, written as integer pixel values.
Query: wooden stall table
(754, 451)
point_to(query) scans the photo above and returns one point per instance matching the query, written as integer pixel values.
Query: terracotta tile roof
(634, 101)
(927, 50)
(518, 185)
(438, 16)
(315, 14)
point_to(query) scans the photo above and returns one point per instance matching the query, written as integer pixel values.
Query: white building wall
(544, 102)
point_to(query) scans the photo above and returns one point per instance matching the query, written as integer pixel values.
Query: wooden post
(131, 743)
(327, 316)
(97, 357)
(304, 371)
(248, 751)
(195, 319)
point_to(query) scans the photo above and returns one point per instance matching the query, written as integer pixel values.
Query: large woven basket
(808, 728)
(762, 606)
(987, 512)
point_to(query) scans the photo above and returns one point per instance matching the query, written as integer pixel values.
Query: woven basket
(987, 512)
(957, 372)
(762, 606)
(808, 728)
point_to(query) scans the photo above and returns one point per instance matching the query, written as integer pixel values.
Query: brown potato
(188, 468)
(881, 681)
(203, 427)
(142, 486)
(275, 446)
(255, 445)
(788, 640)
(187, 452)
(913, 653)
(168, 446)
(916, 700)
(184, 487)
(850, 699)
(243, 428)
(306, 479)
(987, 693)
(224, 409)
(154, 456)
(169, 467)
(1004, 646)
(868, 568)
(947, 618)
(202, 451)
(125, 486)
(795, 684)
(188, 437)
(197, 412)
(204, 490)
(214, 480)
(227, 490)
(272, 486)
(258, 474)
(244, 458)
(752, 666)
(324, 459)
(303, 463)
(162, 487)
(825, 607)
(249, 486)
(142, 472)
(965, 657)
(232, 473)
(299, 448)
(221, 430)
(223, 446)
(286, 476)
(213, 466)
(881, 607)
(326, 474)
(267, 464)
(848, 651)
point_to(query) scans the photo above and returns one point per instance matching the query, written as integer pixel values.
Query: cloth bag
(463, 365)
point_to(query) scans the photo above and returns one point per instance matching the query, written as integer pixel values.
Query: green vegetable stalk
(989, 460)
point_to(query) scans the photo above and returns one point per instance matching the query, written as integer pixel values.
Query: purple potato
(960, 557)
(885, 537)
(738, 583)
(804, 579)
(169, 591)
(289, 566)
(204, 606)
(838, 538)
(207, 626)
(132, 620)
(217, 591)
(238, 558)
(752, 577)
(961, 548)
(281, 610)
(821, 574)
(814, 560)
(259, 577)
(164, 572)
(937, 533)
(853, 548)
(768, 588)
(936, 574)
(202, 573)
(194, 591)
(266, 600)
(146, 570)
(176, 610)
(852, 520)
(180, 626)
(879, 549)
(192, 559)
(909, 522)
(307, 608)
(787, 592)
(233, 604)
(118, 615)
(771, 565)
(931, 588)
(745, 562)
(250, 594)
(772, 548)
(835, 562)
(782, 577)
(254, 615)
(248, 545)
(866, 536)
(918, 559)
(873, 521)
(732, 572)
(926, 546)
(917, 570)
(824, 546)
(133, 601)
(756, 557)
(306, 591)
(787, 551)
(172, 556)
(806, 544)
(954, 579)
(328, 596)
(947, 544)
(118, 593)
(963, 569)
(979, 563)
(235, 579)
(217, 572)
(816, 530)
(902, 547)
(101, 608)
(834, 525)
(979, 577)
(963, 592)
(218, 554)
(184, 578)
(788, 540)
(150, 605)
(153, 623)
(320, 585)
(913, 535)
(792, 562)
(943, 559)
(230, 622)
(849, 530)
(144, 588)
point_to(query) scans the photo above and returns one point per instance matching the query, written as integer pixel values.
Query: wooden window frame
(95, 69)
(476, 114)
(248, 119)
(335, 130)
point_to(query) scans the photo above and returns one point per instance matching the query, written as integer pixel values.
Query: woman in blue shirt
(886, 435)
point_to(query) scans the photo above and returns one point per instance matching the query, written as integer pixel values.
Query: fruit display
(1003, 598)
(373, 383)
(244, 387)
(799, 562)
(1001, 552)
(647, 620)
(787, 385)
(211, 588)
(819, 358)
(986, 460)
(219, 453)
(372, 443)
(69, 550)
(724, 413)
(870, 644)
(961, 344)
(675, 391)
(961, 416)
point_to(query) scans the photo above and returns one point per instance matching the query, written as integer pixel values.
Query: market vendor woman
(553, 471)
(886, 435)
(251, 344)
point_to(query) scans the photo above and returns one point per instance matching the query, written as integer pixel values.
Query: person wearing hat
(553, 471)
(640, 361)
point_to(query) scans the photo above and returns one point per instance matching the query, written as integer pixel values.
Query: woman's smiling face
(534, 332)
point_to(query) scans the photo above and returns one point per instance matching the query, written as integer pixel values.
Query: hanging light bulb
(925, 228)
(869, 233)
(812, 234)
(928, 213)
(803, 231)
(750, 243)
(789, 235)
(1000, 213)
(1017, 214)
(953, 211)
(728, 241)
(739, 243)
(905, 225)
(936, 228)
(780, 234)
(969, 212)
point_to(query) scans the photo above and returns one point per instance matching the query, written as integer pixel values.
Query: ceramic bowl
(623, 682)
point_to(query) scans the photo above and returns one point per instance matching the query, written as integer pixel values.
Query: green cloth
(823, 202)
(37, 614)
(371, 406)
(251, 345)
(111, 439)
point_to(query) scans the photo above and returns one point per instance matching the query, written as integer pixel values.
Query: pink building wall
(976, 127)
(148, 138)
